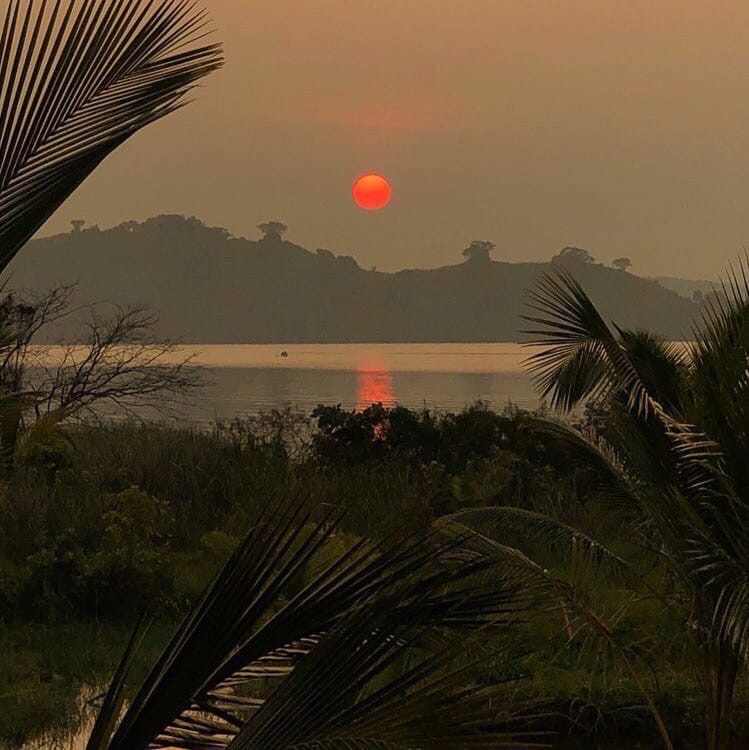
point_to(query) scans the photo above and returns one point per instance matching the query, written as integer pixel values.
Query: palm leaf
(76, 81)
(572, 597)
(721, 371)
(247, 628)
(581, 358)
(347, 693)
(541, 531)
(113, 701)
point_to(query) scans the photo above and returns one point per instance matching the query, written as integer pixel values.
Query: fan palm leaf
(581, 357)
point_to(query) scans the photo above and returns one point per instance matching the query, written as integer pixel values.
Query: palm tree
(671, 460)
(360, 656)
(77, 80)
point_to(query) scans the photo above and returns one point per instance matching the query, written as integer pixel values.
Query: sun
(372, 192)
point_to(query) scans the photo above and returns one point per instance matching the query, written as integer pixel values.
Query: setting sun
(372, 192)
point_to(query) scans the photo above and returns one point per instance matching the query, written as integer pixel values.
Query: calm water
(245, 379)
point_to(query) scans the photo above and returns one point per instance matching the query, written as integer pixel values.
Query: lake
(245, 379)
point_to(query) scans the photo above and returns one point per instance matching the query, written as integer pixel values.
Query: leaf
(77, 80)
(246, 627)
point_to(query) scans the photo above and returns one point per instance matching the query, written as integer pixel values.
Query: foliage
(77, 82)
(116, 362)
(219, 481)
(668, 445)
(331, 646)
(273, 230)
(479, 250)
(117, 572)
(574, 255)
(56, 507)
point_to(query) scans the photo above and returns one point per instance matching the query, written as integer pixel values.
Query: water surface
(245, 379)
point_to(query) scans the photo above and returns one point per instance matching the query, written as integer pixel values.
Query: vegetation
(669, 446)
(273, 230)
(479, 251)
(103, 548)
(97, 529)
(115, 362)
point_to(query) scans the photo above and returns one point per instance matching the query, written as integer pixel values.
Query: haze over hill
(209, 287)
(688, 287)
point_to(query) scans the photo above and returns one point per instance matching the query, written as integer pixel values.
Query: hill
(209, 287)
(687, 287)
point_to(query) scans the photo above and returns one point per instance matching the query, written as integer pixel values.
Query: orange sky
(621, 127)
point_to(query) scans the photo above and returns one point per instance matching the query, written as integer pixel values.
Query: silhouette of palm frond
(77, 79)
(355, 652)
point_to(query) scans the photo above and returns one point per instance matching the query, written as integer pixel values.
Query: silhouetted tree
(117, 360)
(273, 230)
(574, 255)
(479, 250)
(621, 264)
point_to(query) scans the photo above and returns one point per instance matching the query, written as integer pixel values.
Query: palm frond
(541, 531)
(662, 366)
(248, 628)
(573, 598)
(77, 80)
(347, 693)
(582, 358)
(113, 701)
(721, 370)
(611, 479)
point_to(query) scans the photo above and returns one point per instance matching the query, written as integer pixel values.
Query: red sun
(372, 192)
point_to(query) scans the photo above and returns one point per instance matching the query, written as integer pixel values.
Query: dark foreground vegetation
(100, 521)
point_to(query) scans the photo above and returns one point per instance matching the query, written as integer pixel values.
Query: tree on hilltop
(574, 255)
(273, 230)
(479, 250)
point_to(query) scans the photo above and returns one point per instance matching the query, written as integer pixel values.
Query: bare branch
(116, 363)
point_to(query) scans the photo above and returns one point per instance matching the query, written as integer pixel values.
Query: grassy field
(106, 519)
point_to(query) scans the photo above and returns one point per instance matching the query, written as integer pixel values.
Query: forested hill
(208, 287)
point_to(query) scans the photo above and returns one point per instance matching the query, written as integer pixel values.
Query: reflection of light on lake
(374, 387)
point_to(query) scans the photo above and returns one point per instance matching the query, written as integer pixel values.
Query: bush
(126, 569)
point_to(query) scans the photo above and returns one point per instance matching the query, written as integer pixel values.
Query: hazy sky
(621, 127)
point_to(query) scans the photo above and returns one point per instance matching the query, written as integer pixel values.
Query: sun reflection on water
(374, 386)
